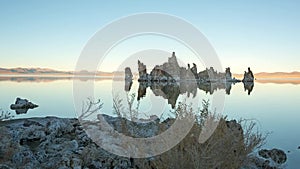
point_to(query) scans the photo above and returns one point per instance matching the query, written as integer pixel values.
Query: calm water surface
(275, 107)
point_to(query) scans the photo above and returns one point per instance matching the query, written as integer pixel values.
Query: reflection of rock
(228, 87)
(142, 90)
(169, 92)
(21, 106)
(128, 85)
(211, 87)
(128, 79)
(278, 156)
(248, 86)
(21, 111)
(189, 87)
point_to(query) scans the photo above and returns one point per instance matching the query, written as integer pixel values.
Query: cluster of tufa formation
(248, 76)
(171, 72)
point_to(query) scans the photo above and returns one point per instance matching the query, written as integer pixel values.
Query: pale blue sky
(261, 34)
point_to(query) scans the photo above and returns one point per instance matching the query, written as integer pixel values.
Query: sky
(51, 34)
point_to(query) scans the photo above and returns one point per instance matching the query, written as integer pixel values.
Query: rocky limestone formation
(228, 74)
(167, 72)
(171, 71)
(159, 75)
(63, 143)
(194, 70)
(143, 75)
(210, 75)
(248, 76)
(21, 106)
(128, 74)
(52, 143)
(172, 67)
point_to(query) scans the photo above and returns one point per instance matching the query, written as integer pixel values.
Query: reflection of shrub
(5, 115)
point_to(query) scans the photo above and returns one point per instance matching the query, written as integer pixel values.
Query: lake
(274, 106)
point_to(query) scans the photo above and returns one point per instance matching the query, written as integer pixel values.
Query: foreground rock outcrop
(63, 143)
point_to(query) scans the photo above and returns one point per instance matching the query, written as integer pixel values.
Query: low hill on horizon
(277, 75)
(52, 72)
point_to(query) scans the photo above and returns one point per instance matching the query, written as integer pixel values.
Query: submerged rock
(21, 106)
(278, 156)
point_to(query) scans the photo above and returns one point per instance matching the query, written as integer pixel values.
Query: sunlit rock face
(169, 71)
(171, 67)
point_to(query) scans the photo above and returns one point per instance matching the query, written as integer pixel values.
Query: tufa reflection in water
(171, 90)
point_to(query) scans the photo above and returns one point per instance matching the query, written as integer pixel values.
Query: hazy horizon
(133, 71)
(262, 35)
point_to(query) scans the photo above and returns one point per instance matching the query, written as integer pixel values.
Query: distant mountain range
(52, 72)
(277, 75)
(31, 71)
